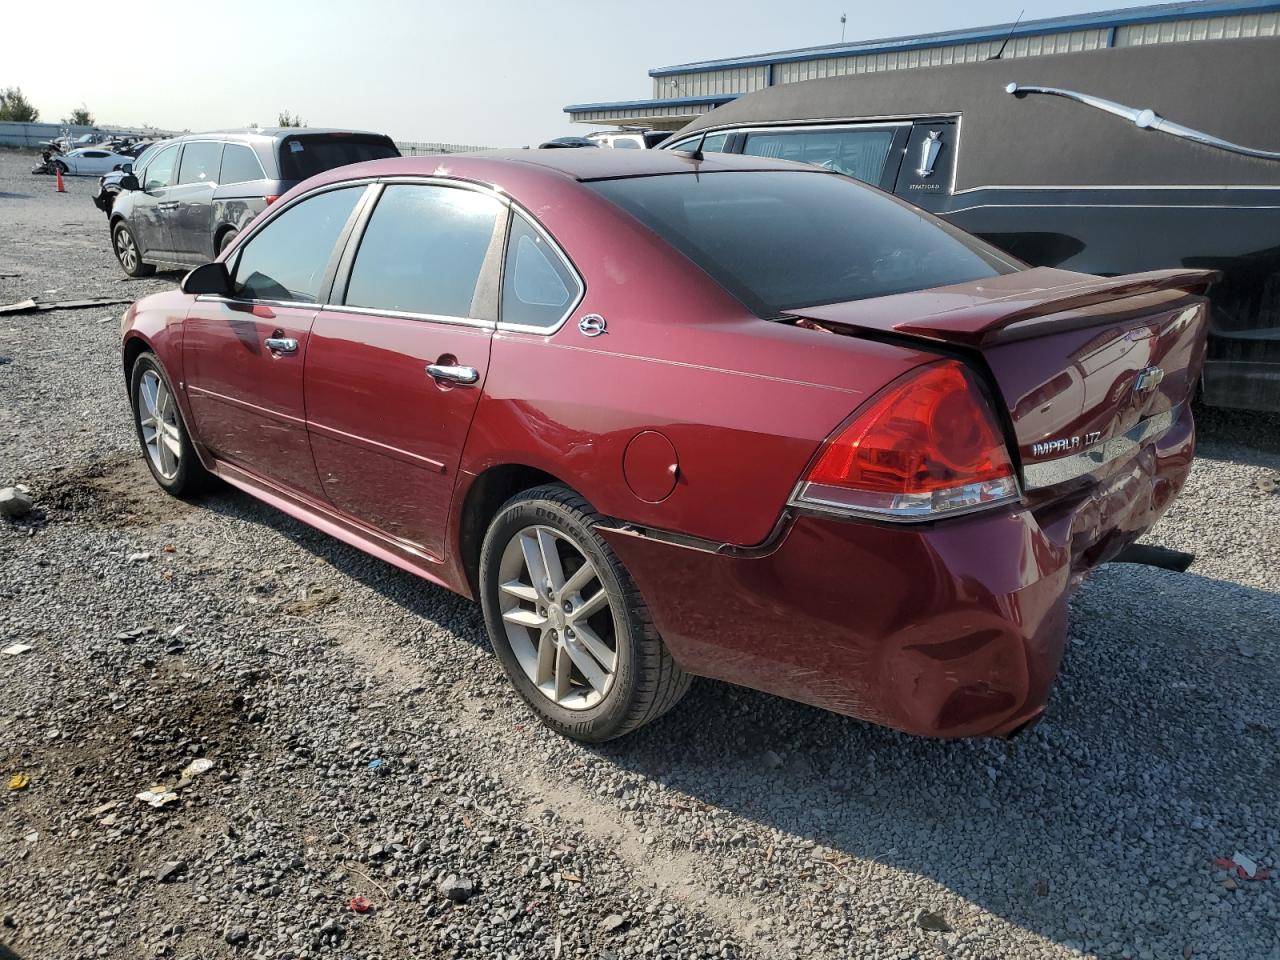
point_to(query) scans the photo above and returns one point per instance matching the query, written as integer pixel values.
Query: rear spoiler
(1011, 317)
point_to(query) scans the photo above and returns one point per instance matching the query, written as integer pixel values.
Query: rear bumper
(954, 629)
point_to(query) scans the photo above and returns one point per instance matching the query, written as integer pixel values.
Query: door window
(160, 170)
(200, 161)
(95, 154)
(858, 153)
(239, 165)
(538, 287)
(714, 143)
(288, 258)
(423, 251)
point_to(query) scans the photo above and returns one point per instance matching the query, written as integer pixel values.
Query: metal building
(687, 90)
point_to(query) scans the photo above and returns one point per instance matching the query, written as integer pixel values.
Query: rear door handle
(449, 371)
(281, 344)
(170, 205)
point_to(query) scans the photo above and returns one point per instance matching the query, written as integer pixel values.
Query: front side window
(239, 164)
(424, 250)
(781, 240)
(858, 153)
(160, 170)
(199, 162)
(538, 287)
(288, 258)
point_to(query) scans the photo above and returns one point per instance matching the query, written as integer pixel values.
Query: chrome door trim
(406, 315)
(1050, 472)
(1143, 119)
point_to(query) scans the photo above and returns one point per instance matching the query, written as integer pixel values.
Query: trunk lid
(1077, 360)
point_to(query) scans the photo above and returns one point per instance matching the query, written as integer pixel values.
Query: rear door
(243, 356)
(396, 366)
(191, 221)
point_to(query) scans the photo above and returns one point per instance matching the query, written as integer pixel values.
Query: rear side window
(199, 162)
(302, 157)
(538, 287)
(239, 164)
(781, 240)
(855, 153)
(288, 258)
(712, 143)
(160, 170)
(423, 251)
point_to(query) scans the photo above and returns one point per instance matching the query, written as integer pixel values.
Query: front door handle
(170, 205)
(450, 371)
(281, 344)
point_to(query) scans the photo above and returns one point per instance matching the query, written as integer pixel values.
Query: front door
(191, 221)
(150, 218)
(243, 356)
(396, 366)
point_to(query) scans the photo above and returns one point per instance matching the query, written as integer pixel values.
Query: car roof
(277, 133)
(573, 164)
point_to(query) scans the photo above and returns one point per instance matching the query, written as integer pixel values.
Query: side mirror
(210, 278)
(126, 167)
(129, 182)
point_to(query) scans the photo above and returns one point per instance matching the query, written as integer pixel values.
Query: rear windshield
(782, 240)
(302, 157)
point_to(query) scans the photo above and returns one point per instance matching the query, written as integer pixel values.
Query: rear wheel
(128, 253)
(568, 624)
(227, 239)
(161, 431)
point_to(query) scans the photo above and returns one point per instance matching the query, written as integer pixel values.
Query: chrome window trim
(1047, 473)
(214, 298)
(888, 120)
(519, 211)
(406, 315)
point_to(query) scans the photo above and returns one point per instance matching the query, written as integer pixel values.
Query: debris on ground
(16, 648)
(1243, 866)
(1268, 484)
(31, 306)
(15, 502)
(930, 920)
(361, 904)
(193, 770)
(158, 796)
(19, 781)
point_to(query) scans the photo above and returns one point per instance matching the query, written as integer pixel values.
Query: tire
(226, 240)
(59, 165)
(128, 252)
(521, 616)
(179, 473)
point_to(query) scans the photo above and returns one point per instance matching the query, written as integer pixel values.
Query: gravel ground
(364, 742)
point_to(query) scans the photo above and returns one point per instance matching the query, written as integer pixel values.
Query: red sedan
(667, 416)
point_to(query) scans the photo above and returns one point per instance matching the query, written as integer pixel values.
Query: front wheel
(568, 624)
(163, 436)
(128, 252)
(227, 239)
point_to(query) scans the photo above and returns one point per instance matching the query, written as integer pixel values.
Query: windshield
(305, 156)
(781, 240)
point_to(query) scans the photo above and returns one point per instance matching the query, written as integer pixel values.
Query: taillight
(271, 199)
(925, 447)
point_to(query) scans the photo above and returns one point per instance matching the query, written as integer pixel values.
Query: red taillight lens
(927, 445)
(271, 199)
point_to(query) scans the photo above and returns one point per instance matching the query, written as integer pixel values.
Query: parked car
(184, 202)
(566, 143)
(781, 429)
(87, 162)
(1107, 162)
(629, 139)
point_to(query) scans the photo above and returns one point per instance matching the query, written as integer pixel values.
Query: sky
(485, 73)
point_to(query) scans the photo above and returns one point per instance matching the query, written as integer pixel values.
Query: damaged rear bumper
(953, 629)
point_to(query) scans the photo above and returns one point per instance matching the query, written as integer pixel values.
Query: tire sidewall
(188, 465)
(607, 718)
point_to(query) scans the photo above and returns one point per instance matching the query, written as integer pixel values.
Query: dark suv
(186, 199)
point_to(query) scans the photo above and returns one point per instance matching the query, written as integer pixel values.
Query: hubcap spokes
(558, 618)
(128, 253)
(158, 418)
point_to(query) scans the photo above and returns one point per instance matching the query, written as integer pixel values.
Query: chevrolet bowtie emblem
(1148, 379)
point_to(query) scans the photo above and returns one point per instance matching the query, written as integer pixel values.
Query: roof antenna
(1009, 36)
(696, 152)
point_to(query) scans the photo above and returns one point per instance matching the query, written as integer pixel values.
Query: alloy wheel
(158, 418)
(126, 250)
(558, 618)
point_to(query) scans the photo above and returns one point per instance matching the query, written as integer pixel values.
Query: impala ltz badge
(1065, 444)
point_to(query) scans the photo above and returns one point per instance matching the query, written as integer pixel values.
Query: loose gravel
(374, 789)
